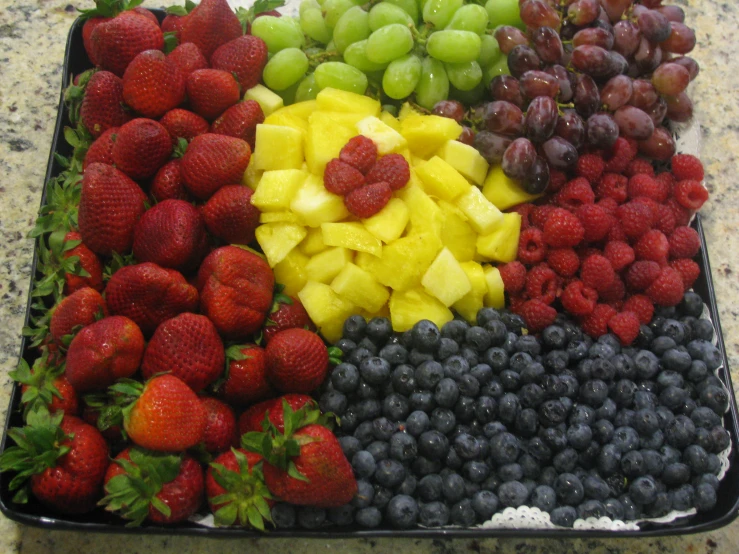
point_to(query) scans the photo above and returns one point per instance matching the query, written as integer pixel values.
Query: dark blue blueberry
(379, 329)
(564, 516)
(345, 377)
(670, 378)
(539, 450)
(461, 513)
(582, 413)
(408, 486)
(709, 478)
(508, 408)
(633, 464)
(395, 407)
(429, 488)
(567, 403)
(491, 483)
(369, 517)
(375, 370)
(624, 418)
(703, 438)
(646, 364)
(349, 421)
(433, 444)
(428, 375)
(691, 304)
(443, 420)
(662, 344)
(466, 446)
(714, 464)
(532, 373)
(579, 435)
(478, 338)
(446, 393)
(509, 380)
(625, 439)
(646, 422)
(509, 345)
(464, 409)
(720, 439)
(453, 461)
(364, 495)
(510, 472)
(609, 460)
(426, 336)
(556, 361)
(588, 456)
(394, 353)
(603, 431)
(475, 471)
(703, 330)
(594, 392)
(433, 514)
(624, 366)
(486, 315)
(669, 454)
(552, 412)
(403, 447)
(496, 358)
(661, 506)
(680, 432)
(483, 373)
(402, 511)
(512, 494)
(468, 385)
(601, 350)
(354, 328)
(493, 428)
(682, 498)
(493, 389)
(569, 489)
(417, 422)
(447, 348)
(380, 450)
(571, 384)
(529, 344)
(614, 509)
(455, 367)
(577, 350)
(363, 464)
(367, 343)
(310, 517)
(519, 361)
(383, 428)
(341, 515)
(389, 473)
(645, 399)
(554, 337)
(470, 354)
(454, 330)
(677, 359)
(513, 322)
(602, 369)
(452, 487)
(583, 370)
(674, 329)
(485, 504)
(345, 345)
(527, 423)
(673, 397)
(710, 381)
(675, 474)
(643, 490)
(358, 355)
(653, 462)
(422, 400)
(284, 515)
(417, 357)
(349, 445)
(565, 460)
(555, 438)
(403, 379)
(696, 458)
(715, 398)
(497, 332)
(504, 448)
(369, 409)
(365, 433)
(595, 488)
(333, 401)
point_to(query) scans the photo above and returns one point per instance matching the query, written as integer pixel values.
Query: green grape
(440, 12)
(352, 27)
(409, 6)
(464, 76)
(313, 25)
(386, 13)
(356, 56)
(307, 89)
(288, 95)
(489, 50)
(401, 76)
(278, 32)
(331, 47)
(471, 17)
(334, 9)
(433, 86)
(454, 46)
(500, 67)
(307, 5)
(392, 109)
(341, 76)
(468, 97)
(389, 43)
(285, 68)
(503, 12)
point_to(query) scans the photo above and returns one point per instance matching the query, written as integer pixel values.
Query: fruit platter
(394, 268)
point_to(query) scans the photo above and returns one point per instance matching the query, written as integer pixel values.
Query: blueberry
(625, 439)
(341, 515)
(603, 431)
(369, 517)
(697, 372)
(691, 304)
(527, 423)
(485, 504)
(577, 350)
(468, 385)
(394, 353)
(497, 332)
(496, 358)
(510, 380)
(703, 330)
(624, 366)
(403, 447)
(493, 389)
(682, 498)
(555, 438)
(491, 483)
(595, 488)
(529, 344)
(403, 379)
(493, 428)
(478, 338)
(375, 370)
(395, 407)
(433, 444)
(676, 360)
(582, 414)
(402, 511)
(653, 463)
(349, 445)
(508, 407)
(379, 330)
(408, 486)
(417, 357)
(446, 393)
(504, 448)
(614, 508)
(512, 494)
(470, 354)
(710, 381)
(358, 355)
(719, 438)
(588, 456)
(680, 432)
(380, 450)
(452, 487)
(696, 458)
(433, 514)
(709, 478)
(646, 422)
(633, 464)
(564, 516)
(426, 336)
(369, 409)
(464, 409)
(354, 328)
(675, 473)
(284, 515)
(429, 374)
(532, 373)
(570, 383)
(475, 471)
(447, 348)
(455, 367)
(594, 392)
(579, 435)
(565, 460)
(609, 460)
(646, 364)
(556, 361)
(510, 472)
(466, 446)
(365, 433)
(645, 399)
(591, 508)
(715, 398)
(422, 400)
(643, 490)
(310, 517)
(520, 360)
(423, 466)
(363, 464)
(554, 337)
(382, 496)
(345, 345)
(454, 330)
(350, 420)
(345, 377)
(389, 473)
(714, 464)
(368, 345)
(462, 513)
(513, 322)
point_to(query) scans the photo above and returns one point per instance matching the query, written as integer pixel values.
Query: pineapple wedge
(277, 188)
(301, 110)
(495, 295)
(465, 159)
(445, 279)
(441, 180)
(482, 214)
(390, 222)
(267, 100)
(390, 120)
(351, 235)
(456, 233)
(325, 140)
(286, 119)
(326, 265)
(331, 99)
(423, 213)
(291, 273)
(504, 192)
(278, 239)
(404, 261)
(278, 147)
(313, 242)
(360, 288)
(252, 175)
(405, 110)
(385, 137)
(470, 303)
(315, 205)
(501, 245)
(325, 308)
(409, 307)
(427, 133)
(280, 217)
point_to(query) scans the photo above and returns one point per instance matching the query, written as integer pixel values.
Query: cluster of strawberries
(610, 244)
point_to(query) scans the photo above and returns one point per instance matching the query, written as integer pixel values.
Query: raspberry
(541, 283)
(635, 218)
(652, 245)
(684, 242)
(688, 270)
(514, 276)
(616, 232)
(366, 201)
(590, 166)
(586, 251)
(642, 306)
(682, 215)
(531, 246)
(557, 180)
(574, 194)
(625, 326)
(609, 205)
(515, 303)
(667, 289)
(524, 210)
(667, 180)
(665, 220)
(690, 194)
(621, 153)
(563, 229)
(613, 185)
(597, 272)
(578, 299)
(644, 185)
(540, 214)
(537, 315)
(685, 166)
(596, 323)
(392, 169)
(652, 205)
(564, 261)
(619, 253)
(341, 178)
(360, 153)
(639, 166)
(615, 292)
(641, 274)
(595, 220)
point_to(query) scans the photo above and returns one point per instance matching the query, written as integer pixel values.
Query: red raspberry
(642, 306)
(540, 214)
(690, 194)
(590, 166)
(524, 210)
(586, 251)
(682, 214)
(563, 229)
(685, 166)
(652, 245)
(542, 284)
(621, 153)
(684, 242)
(513, 275)
(574, 194)
(597, 272)
(564, 261)
(635, 218)
(609, 205)
(625, 326)
(341, 178)
(515, 303)
(596, 323)
(392, 169)
(644, 185)
(613, 185)
(652, 205)
(688, 270)
(667, 180)
(537, 315)
(595, 220)
(639, 166)
(616, 232)
(360, 153)
(619, 253)
(531, 246)
(615, 292)
(668, 288)
(641, 274)
(557, 180)
(366, 201)
(578, 299)
(665, 220)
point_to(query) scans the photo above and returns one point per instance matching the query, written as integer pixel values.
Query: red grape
(449, 108)
(536, 180)
(626, 37)
(522, 59)
(583, 12)
(616, 92)
(538, 83)
(571, 127)
(643, 94)
(506, 87)
(660, 146)
(593, 36)
(681, 39)
(672, 13)
(587, 96)
(541, 119)
(518, 159)
(679, 108)
(565, 82)
(670, 79)
(491, 146)
(657, 111)
(509, 37)
(503, 118)
(601, 130)
(547, 44)
(633, 123)
(560, 153)
(654, 26)
(538, 13)
(688, 63)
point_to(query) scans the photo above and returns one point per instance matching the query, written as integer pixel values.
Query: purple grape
(536, 180)
(571, 127)
(654, 26)
(507, 88)
(601, 131)
(538, 13)
(633, 123)
(688, 63)
(568, 30)
(626, 37)
(560, 153)
(648, 56)
(679, 108)
(620, 65)
(587, 96)
(449, 108)
(660, 146)
(491, 146)
(522, 59)
(657, 111)
(518, 159)
(565, 82)
(503, 118)
(643, 94)
(672, 13)
(583, 12)
(541, 119)
(670, 79)
(547, 44)
(538, 83)
(616, 92)
(681, 39)
(592, 60)
(509, 37)
(615, 8)
(593, 36)
(602, 21)
(467, 136)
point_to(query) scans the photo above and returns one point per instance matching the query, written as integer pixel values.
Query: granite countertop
(32, 41)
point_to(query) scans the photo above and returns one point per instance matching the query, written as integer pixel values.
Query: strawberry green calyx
(109, 8)
(40, 391)
(181, 10)
(109, 414)
(247, 16)
(117, 262)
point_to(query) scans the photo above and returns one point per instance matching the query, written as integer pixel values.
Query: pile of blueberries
(449, 426)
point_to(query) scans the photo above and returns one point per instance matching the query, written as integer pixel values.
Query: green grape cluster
(427, 50)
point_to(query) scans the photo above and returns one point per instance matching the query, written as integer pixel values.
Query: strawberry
(45, 386)
(87, 260)
(161, 488)
(102, 105)
(173, 23)
(368, 200)
(287, 313)
(240, 121)
(153, 84)
(297, 360)
(101, 150)
(187, 57)
(80, 308)
(187, 346)
(63, 458)
(220, 430)
(212, 161)
(245, 57)
(171, 234)
(114, 43)
(110, 205)
(211, 24)
(253, 418)
(141, 147)
(235, 291)
(245, 378)
(87, 29)
(211, 92)
(230, 216)
(183, 124)
(149, 294)
(146, 13)
(168, 184)
(103, 352)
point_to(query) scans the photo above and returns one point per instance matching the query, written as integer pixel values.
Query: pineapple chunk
(385, 137)
(390, 120)
(278, 239)
(351, 235)
(326, 265)
(495, 295)
(470, 303)
(277, 188)
(280, 217)
(423, 212)
(481, 213)
(268, 100)
(441, 180)
(252, 175)
(404, 261)
(384, 311)
(445, 279)
(347, 119)
(360, 288)
(313, 242)
(331, 99)
(406, 153)
(278, 147)
(427, 133)
(301, 110)
(291, 272)
(409, 307)
(286, 119)
(465, 159)
(390, 222)
(325, 308)
(456, 233)
(316, 205)
(504, 192)
(405, 110)
(501, 245)
(324, 141)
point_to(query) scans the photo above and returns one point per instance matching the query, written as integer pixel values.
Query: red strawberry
(173, 23)
(110, 205)
(220, 430)
(146, 13)
(114, 43)
(297, 360)
(245, 57)
(211, 24)
(360, 153)
(212, 161)
(45, 385)
(168, 184)
(102, 105)
(230, 216)
(149, 295)
(368, 200)
(101, 150)
(392, 169)
(183, 124)
(87, 29)
(152, 84)
(211, 92)
(240, 121)
(252, 419)
(80, 308)
(86, 260)
(287, 313)
(246, 380)
(141, 147)
(187, 57)
(235, 291)
(341, 178)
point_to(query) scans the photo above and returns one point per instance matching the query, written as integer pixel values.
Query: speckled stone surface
(32, 41)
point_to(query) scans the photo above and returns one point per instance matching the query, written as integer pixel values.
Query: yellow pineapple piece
(427, 133)
(465, 159)
(385, 137)
(313, 242)
(268, 100)
(445, 279)
(315, 205)
(495, 295)
(280, 217)
(423, 212)
(406, 153)
(326, 265)
(470, 303)
(325, 140)
(331, 99)
(359, 287)
(286, 119)
(277, 188)
(504, 192)
(347, 119)
(291, 272)
(441, 180)
(390, 222)
(325, 308)
(404, 261)
(501, 245)
(456, 233)
(390, 120)
(351, 235)
(252, 175)
(301, 110)
(482, 214)
(278, 239)
(410, 306)
(384, 311)
(405, 110)
(278, 147)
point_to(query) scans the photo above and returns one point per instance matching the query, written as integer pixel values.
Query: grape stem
(314, 60)
(561, 107)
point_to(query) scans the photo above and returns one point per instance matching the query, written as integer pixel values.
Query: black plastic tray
(725, 511)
